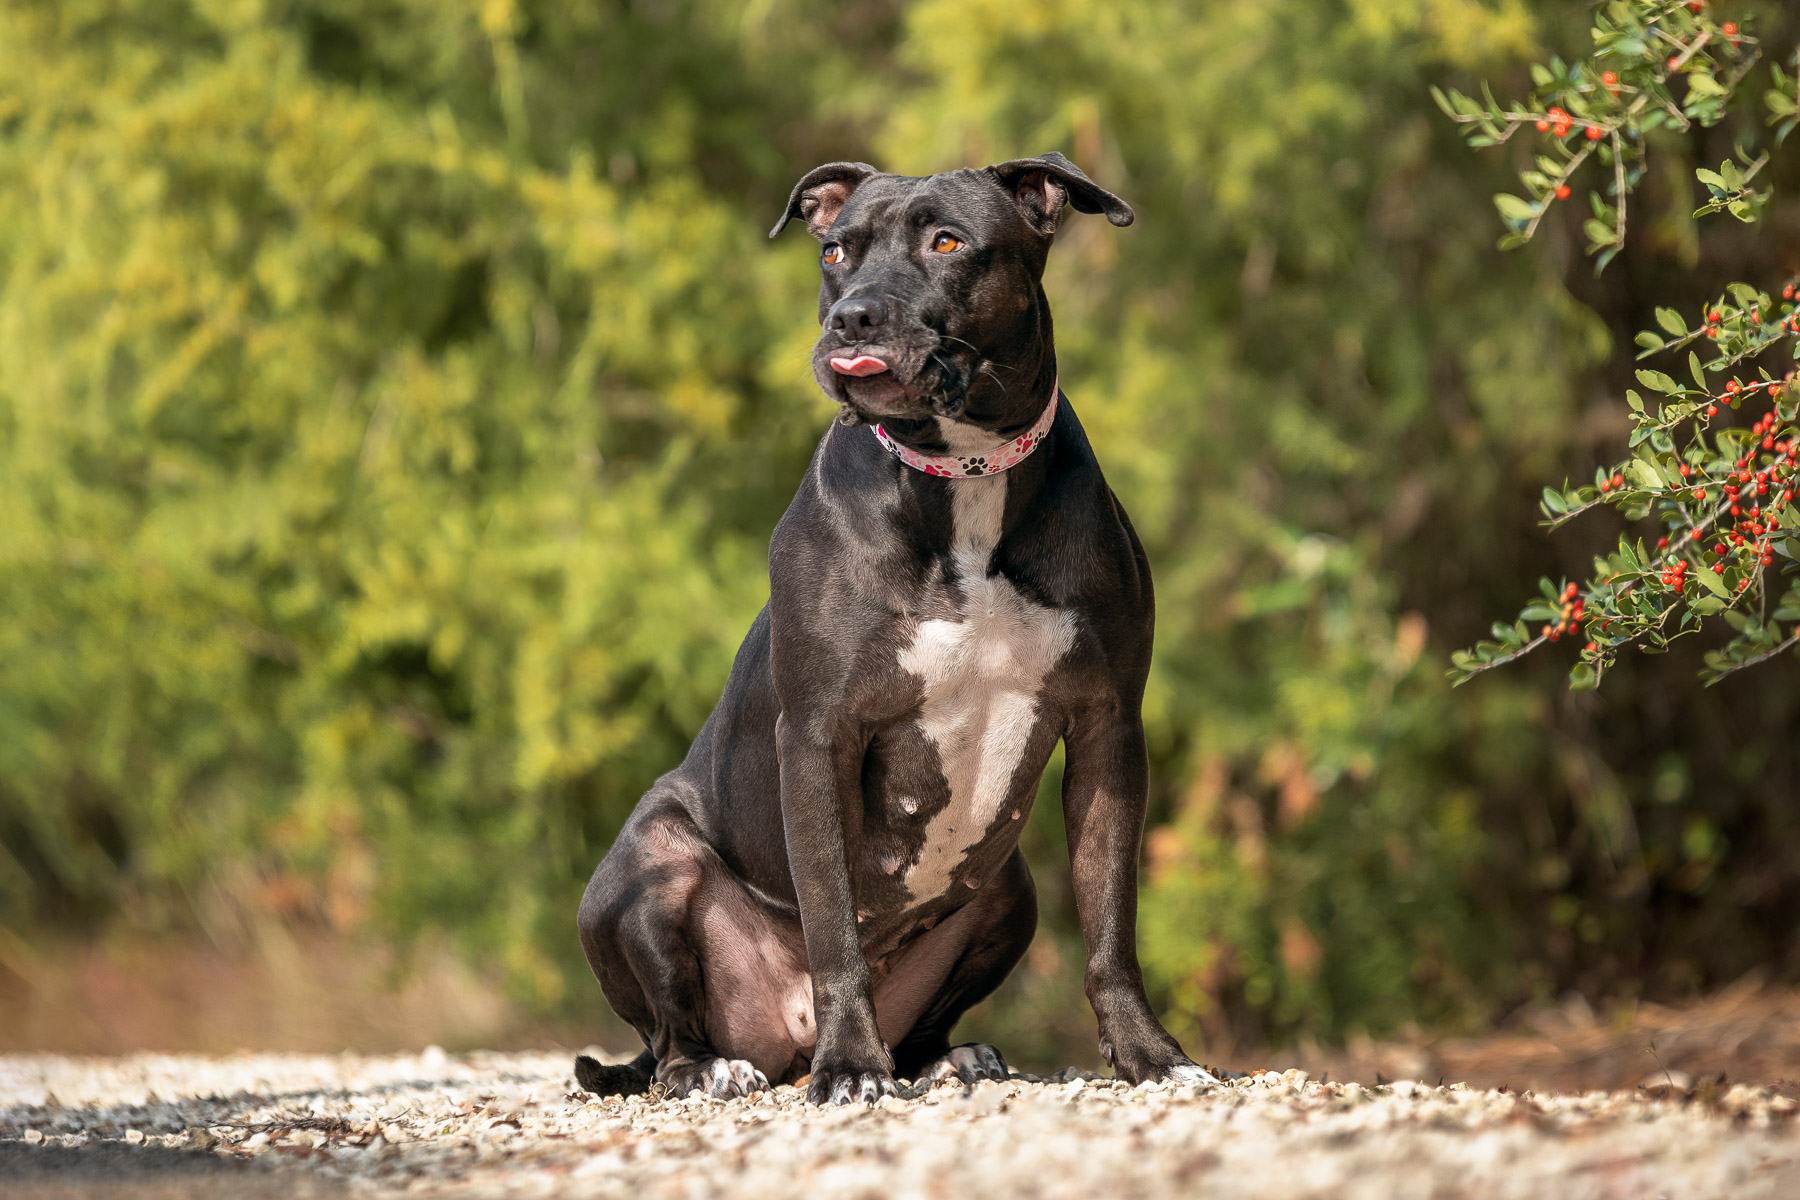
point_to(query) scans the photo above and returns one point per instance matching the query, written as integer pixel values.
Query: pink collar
(964, 466)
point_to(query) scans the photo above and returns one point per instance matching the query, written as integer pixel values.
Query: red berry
(1608, 78)
(1662, 543)
(1562, 191)
(1729, 29)
(1543, 126)
(1595, 133)
(1712, 410)
(1673, 61)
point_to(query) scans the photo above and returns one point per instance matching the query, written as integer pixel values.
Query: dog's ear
(1043, 184)
(820, 195)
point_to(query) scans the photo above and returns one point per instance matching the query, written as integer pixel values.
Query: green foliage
(396, 399)
(353, 463)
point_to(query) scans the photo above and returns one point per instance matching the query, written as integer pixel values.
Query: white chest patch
(982, 675)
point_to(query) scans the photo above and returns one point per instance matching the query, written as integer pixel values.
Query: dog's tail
(631, 1079)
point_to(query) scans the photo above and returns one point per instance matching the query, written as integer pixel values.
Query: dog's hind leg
(644, 924)
(962, 961)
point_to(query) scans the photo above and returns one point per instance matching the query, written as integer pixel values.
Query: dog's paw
(1155, 1060)
(968, 1063)
(717, 1077)
(1188, 1071)
(848, 1083)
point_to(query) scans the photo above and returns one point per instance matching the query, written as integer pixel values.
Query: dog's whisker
(971, 345)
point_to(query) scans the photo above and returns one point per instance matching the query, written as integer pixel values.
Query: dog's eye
(834, 254)
(946, 243)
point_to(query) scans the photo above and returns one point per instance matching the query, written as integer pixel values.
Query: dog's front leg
(821, 816)
(1105, 793)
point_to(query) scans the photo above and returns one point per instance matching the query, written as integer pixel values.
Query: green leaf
(1513, 208)
(1657, 381)
(1706, 606)
(1671, 321)
(1712, 583)
(1645, 474)
(1698, 372)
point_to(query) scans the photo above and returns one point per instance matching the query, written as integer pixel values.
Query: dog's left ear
(1043, 184)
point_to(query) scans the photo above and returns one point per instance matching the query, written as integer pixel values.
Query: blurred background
(397, 396)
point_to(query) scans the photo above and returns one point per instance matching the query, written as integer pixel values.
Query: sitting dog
(832, 876)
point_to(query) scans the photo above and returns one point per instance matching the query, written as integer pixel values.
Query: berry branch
(1721, 493)
(1627, 89)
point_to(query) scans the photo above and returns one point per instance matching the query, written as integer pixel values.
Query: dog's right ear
(820, 195)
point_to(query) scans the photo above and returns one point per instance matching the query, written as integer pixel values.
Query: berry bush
(1706, 489)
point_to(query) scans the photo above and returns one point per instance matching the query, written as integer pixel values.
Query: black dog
(834, 870)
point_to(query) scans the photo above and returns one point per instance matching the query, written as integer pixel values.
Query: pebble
(514, 1124)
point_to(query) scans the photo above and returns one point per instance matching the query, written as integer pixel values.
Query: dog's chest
(983, 674)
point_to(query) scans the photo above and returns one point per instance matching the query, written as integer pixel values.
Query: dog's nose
(858, 318)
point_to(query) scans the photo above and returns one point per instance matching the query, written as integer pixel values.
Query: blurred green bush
(396, 398)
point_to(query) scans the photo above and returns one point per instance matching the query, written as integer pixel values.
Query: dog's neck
(973, 450)
(965, 446)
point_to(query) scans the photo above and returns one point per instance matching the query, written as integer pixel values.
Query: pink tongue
(862, 364)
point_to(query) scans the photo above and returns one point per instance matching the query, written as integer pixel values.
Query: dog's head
(932, 302)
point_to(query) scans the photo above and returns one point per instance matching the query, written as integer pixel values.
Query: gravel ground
(515, 1125)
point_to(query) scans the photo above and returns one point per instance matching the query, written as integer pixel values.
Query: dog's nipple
(908, 805)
